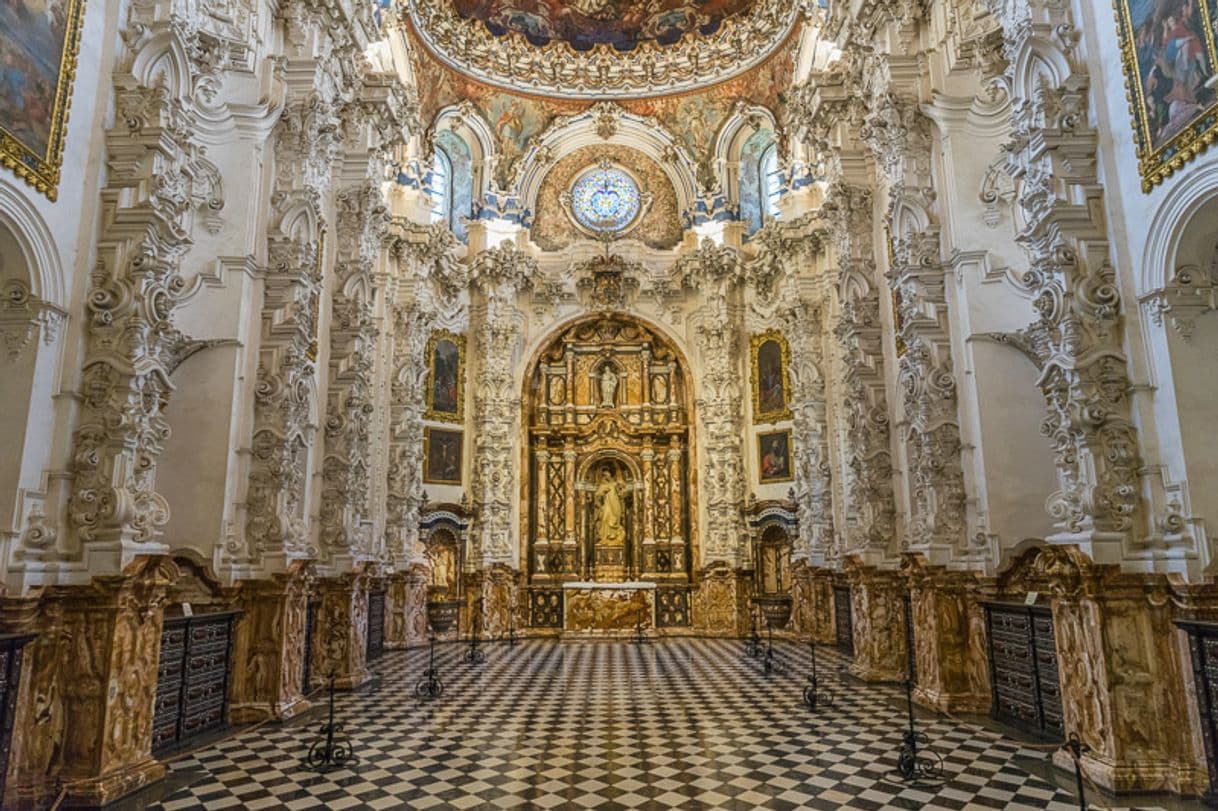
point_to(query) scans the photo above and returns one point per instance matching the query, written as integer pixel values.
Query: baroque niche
(608, 483)
(655, 221)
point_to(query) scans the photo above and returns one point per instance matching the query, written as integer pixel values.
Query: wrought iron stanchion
(776, 609)
(430, 685)
(332, 750)
(473, 654)
(813, 694)
(512, 636)
(441, 614)
(640, 637)
(914, 765)
(752, 648)
(1076, 748)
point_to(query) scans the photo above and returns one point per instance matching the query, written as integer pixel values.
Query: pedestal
(340, 642)
(85, 704)
(949, 639)
(878, 612)
(721, 601)
(268, 647)
(812, 602)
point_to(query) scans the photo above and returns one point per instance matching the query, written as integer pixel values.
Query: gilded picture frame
(1170, 61)
(770, 377)
(443, 451)
(39, 48)
(774, 457)
(445, 377)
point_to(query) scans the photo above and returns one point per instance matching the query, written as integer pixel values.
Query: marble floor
(679, 724)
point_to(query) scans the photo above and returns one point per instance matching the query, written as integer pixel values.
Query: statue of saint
(609, 508)
(608, 386)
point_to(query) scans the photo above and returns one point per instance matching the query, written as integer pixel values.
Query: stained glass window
(605, 200)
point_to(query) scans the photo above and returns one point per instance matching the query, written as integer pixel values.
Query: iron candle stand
(430, 685)
(474, 655)
(812, 693)
(332, 750)
(913, 765)
(1075, 746)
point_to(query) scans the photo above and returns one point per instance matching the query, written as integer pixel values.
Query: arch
(740, 144)
(1184, 199)
(162, 61)
(464, 122)
(607, 123)
(568, 434)
(44, 268)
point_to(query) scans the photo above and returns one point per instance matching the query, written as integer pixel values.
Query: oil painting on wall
(770, 379)
(38, 44)
(441, 456)
(774, 457)
(445, 374)
(1168, 50)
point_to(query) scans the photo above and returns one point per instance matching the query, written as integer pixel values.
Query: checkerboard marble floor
(679, 724)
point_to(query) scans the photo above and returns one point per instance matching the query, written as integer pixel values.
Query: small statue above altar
(608, 386)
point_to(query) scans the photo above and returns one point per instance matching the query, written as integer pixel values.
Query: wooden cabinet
(193, 678)
(1203, 648)
(1023, 667)
(12, 648)
(843, 619)
(376, 625)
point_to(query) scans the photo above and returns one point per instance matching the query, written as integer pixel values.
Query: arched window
(441, 186)
(769, 179)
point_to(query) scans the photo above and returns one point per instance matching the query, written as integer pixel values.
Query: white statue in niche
(608, 386)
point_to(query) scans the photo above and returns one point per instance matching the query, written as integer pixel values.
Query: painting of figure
(770, 385)
(774, 456)
(446, 358)
(1170, 57)
(37, 61)
(441, 456)
(585, 24)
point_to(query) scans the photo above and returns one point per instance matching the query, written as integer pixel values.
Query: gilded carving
(608, 610)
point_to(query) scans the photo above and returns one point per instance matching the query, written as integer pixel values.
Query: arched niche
(33, 291)
(773, 559)
(193, 471)
(608, 488)
(1178, 290)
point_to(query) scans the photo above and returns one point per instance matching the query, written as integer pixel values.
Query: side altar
(608, 609)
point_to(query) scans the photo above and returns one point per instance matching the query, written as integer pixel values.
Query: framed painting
(441, 456)
(445, 377)
(774, 457)
(1169, 58)
(39, 40)
(771, 379)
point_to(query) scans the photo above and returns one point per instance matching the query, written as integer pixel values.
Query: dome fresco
(584, 24)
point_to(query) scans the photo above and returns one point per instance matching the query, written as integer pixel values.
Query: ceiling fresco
(584, 24)
(660, 225)
(693, 118)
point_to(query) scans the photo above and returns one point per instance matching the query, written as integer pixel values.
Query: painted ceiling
(693, 118)
(584, 24)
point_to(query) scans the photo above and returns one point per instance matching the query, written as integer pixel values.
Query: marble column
(268, 647)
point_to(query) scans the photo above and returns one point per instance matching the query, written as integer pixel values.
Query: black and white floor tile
(679, 724)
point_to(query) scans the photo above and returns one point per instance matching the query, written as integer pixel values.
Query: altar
(608, 609)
